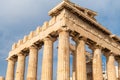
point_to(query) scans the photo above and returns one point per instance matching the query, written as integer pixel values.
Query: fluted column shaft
(97, 64)
(47, 62)
(111, 72)
(81, 60)
(63, 68)
(32, 63)
(74, 67)
(118, 69)
(10, 70)
(20, 67)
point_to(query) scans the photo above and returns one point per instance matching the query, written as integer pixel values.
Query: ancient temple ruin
(68, 20)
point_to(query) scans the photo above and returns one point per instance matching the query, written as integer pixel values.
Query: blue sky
(19, 17)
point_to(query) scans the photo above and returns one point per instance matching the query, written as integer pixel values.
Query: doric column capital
(83, 38)
(77, 39)
(12, 59)
(46, 39)
(34, 47)
(61, 30)
(22, 54)
(109, 54)
(49, 38)
(95, 46)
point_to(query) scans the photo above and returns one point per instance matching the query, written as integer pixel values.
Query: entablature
(76, 10)
(49, 29)
(77, 23)
(93, 34)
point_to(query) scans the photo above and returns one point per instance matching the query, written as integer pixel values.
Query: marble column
(32, 63)
(10, 69)
(2, 78)
(97, 64)
(81, 60)
(118, 69)
(47, 62)
(74, 67)
(111, 72)
(63, 67)
(20, 67)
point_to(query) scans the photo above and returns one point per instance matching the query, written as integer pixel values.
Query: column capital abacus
(34, 46)
(21, 54)
(63, 30)
(109, 54)
(49, 38)
(83, 38)
(77, 39)
(95, 46)
(11, 59)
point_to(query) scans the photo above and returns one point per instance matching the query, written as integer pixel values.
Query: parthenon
(69, 22)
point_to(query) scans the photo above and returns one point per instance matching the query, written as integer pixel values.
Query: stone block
(31, 35)
(45, 26)
(52, 21)
(25, 39)
(38, 30)
(19, 42)
(14, 46)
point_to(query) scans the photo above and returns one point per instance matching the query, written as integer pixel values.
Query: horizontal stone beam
(75, 24)
(74, 10)
(43, 34)
(68, 21)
